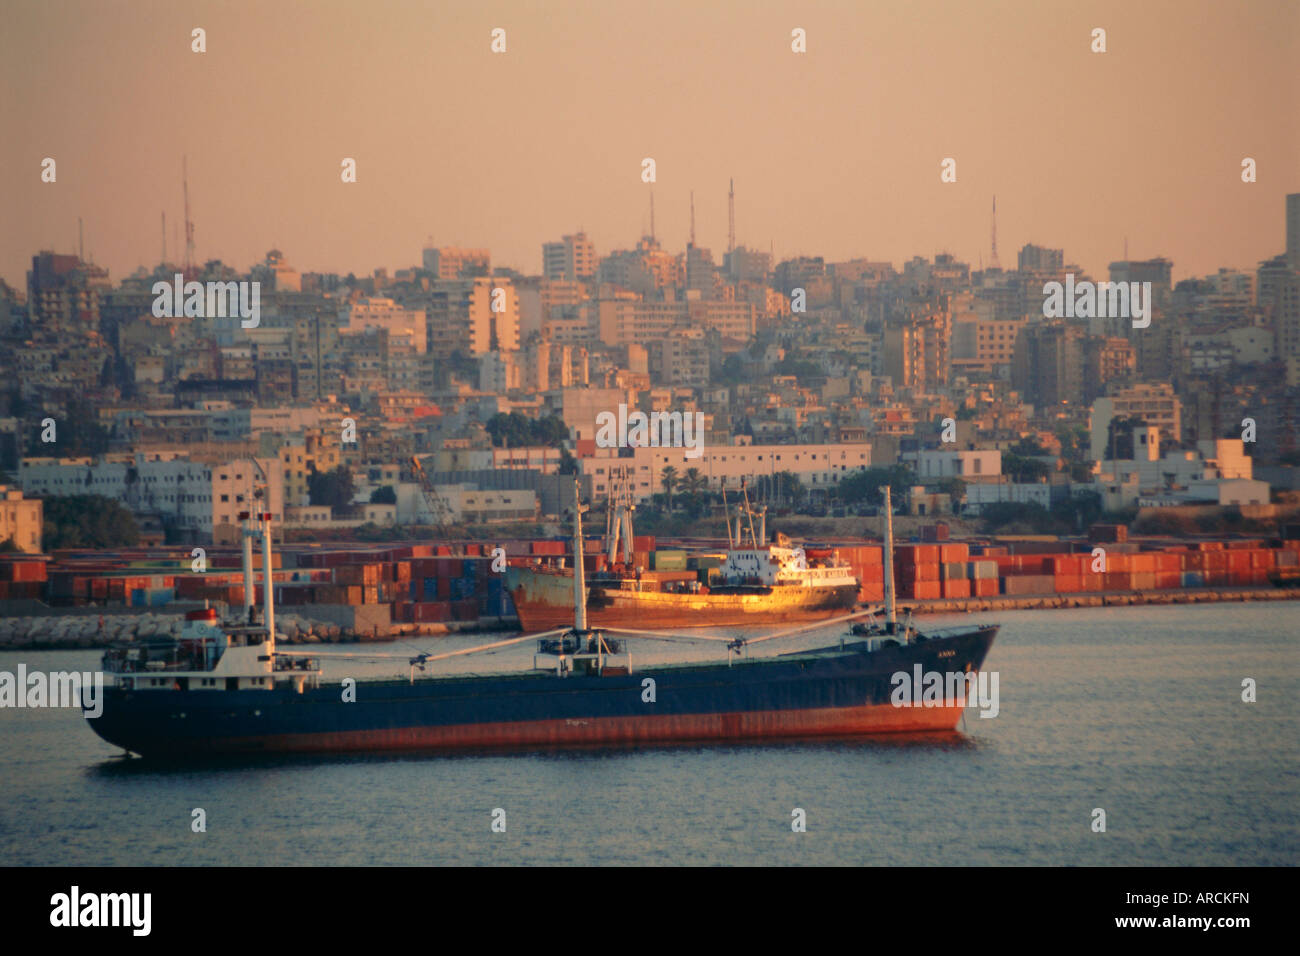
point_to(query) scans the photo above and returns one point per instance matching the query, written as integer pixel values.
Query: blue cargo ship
(217, 690)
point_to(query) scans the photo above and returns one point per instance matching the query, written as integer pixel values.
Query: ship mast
(618, 516)
(579, 577)
(247, 533)
(748, 512)
(726, 515)
(889, 561)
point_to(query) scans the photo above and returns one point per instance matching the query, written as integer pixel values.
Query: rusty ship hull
(543, 598)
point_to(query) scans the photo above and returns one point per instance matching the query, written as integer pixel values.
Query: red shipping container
(870, 556)
(1069, 583)
(431, 612)
(918, 572)
(917, 554)
(956, 588)
(953, 552)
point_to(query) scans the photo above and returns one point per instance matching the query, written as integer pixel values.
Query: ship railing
(591, 664)
(942, 632)
(133, 662)
(281, 664)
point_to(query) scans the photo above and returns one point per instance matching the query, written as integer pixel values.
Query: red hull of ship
(620, 731)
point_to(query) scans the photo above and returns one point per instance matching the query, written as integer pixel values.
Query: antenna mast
(731, 218)
(652, 216)
(189, 224)
(692, 218)
(579, 579)
(994, 264)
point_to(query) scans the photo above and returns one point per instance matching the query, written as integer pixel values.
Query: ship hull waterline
(545, 600)
(830, 693)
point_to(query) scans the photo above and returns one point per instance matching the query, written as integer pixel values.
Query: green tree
(954, 488)
(383, 495)
(333, 489)
(515, 430)
(88, 521)
(865, 485)
(1024, 470)
(1079, 510)
(669, 481)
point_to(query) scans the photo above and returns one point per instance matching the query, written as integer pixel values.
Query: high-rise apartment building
(573, 258)
(449, 262)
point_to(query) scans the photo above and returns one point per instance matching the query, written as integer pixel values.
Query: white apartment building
(1154, 404)
(461, 316)
(817, 466)
(970, 465)
(201, 500)
(404, 325)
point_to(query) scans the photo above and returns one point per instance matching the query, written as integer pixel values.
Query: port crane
(436, 503)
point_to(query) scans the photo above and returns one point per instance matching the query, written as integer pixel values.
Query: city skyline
(812, 177)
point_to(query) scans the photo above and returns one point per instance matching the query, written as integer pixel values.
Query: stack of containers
(1068, 571)
(868, 565)
(955, 583)
(983, 576)
(916, 567)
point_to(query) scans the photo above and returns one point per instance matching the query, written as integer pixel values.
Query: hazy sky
(834, 152)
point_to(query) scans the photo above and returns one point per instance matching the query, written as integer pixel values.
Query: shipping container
(956, 588)
(953, 552)
(1022, 584)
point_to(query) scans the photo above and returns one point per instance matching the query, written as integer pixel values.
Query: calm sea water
(1134, 710)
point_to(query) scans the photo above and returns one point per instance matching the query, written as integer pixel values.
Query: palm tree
(670, 481)
(693, 482)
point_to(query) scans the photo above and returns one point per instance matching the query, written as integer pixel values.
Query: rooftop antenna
(994, 264)
(81, 244)
(692, 218)
(189, 224)
(652, 215)
(731, 217)
(164, 236)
